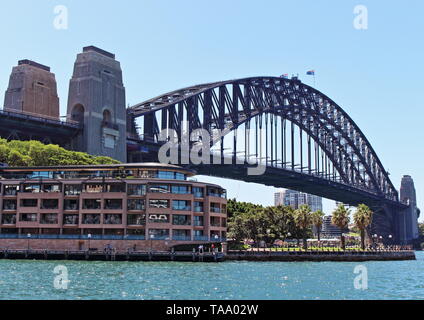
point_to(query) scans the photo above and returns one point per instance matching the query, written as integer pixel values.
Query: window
(198, 221)
(113, 204)
(29, 203)
(198, 233)
(181, 234)
(8, 219)
(166, 175)
(158, 234)
(158, 203)
(180, 189)
(223, 223)
(170, 175)
(215, 208)
(198, 206)
(159, 218)
(48, 188)
(9, 204)
(115, 187)
(181, 220)
(91, 218)
(93, 188)
(180, 176)
(181, 205)
(135, 204)
(10, 190)
(136, 189)
(73, 189)
(71, 204)
(159, 189)
(49, 204)
(113, 219)
(215, 222)
(28, 217)
(198, 192)
(70, 219)
(136, 219)
(49, 218)
(31, 188)
(91, 204)
(215, 192)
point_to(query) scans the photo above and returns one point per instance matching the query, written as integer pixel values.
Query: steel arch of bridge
(227, 105)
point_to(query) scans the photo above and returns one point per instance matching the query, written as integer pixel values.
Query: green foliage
(33, 153)
(317, 218)
(362, 218)
(303, 219)
(249, 221)
(341, 217)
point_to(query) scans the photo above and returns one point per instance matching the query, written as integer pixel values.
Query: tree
(341, 219)
(34, 153)
(280, 220)
(362, 218)
(303, 220)
(317, 220)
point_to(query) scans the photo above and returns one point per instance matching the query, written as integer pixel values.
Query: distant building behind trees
(295, 199)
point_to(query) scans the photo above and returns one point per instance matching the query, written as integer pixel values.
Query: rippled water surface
(227, 280)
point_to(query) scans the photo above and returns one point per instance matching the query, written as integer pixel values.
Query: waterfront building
(295, 199)
(128, 206)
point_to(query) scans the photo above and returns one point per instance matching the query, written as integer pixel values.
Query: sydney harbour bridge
(303, 139)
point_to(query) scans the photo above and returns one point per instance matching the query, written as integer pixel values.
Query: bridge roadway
(26, 126)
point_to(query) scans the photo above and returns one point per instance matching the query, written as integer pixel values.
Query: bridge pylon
(97, 100)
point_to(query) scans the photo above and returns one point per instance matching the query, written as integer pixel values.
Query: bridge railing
(37, 117)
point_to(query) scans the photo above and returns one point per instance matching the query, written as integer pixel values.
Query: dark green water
(228, 280)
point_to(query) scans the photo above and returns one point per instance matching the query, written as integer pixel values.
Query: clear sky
(376, 74)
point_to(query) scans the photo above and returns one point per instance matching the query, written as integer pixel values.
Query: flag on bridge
(285, 76)
(310, 72)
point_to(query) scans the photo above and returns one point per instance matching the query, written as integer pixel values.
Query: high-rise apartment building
(295, 199)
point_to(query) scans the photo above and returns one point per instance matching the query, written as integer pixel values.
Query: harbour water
(31, 279)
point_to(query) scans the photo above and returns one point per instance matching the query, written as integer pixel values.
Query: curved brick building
(129, 206)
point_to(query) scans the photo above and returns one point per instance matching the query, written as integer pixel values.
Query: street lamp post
(151, 242)
(268, 232)
(89, 237)
(28, 237)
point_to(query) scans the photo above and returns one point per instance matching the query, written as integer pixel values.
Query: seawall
(322, 256)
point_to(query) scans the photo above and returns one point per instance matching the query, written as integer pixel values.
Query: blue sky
(374, 74)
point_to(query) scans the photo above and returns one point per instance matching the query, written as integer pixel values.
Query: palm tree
(362, 218)
(303, 220)
(341, 219)
(317, 220)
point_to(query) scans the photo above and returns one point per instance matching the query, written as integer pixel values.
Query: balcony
(113, 219)
(198, 194)
(198, 223)
(201, 238)
(181, 208)
(70, 219)
(181, 238)
(136, 220)
(9, 219)
(49, 219)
